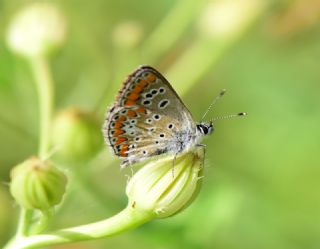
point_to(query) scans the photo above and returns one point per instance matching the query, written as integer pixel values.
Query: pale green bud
(37, 184)
(228, 18)
(76, 135)
(127, 34)
(162, 190)
(36, 30)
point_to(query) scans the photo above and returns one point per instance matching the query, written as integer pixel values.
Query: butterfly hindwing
(145, 117)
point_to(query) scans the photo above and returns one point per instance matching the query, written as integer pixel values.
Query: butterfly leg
(173, 162)
(204, 152)
(132, 171)
(132, 174)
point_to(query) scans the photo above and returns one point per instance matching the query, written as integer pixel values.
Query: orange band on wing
(131, 114)
(123, 150)
(133, 96)
(141, 110)
(129, 102)
(118, 132)
(120, 140)
(121, 119)
(142, 84)
(135, 93)
(118, 123)
(138, 89)
(151, 77)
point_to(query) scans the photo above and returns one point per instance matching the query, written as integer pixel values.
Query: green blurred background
(262, 176)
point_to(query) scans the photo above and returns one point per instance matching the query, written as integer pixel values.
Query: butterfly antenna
(223, 91)
(229, 116)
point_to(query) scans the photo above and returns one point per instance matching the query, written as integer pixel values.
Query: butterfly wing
(146, 117)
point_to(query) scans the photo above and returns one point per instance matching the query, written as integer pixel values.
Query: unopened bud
(37, 184)
(162, 190)
(127, 34)
(227, 18)
(76, 135)
(36, 30)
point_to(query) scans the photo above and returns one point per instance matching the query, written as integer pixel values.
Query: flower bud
(164, 189)
(127, 34)
(37, 184)
(36, 30)
(227, 18)
(76, 135)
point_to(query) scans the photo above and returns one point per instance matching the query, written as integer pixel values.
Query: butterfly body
(148, 119)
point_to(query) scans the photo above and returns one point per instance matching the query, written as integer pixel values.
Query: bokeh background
(261, 185)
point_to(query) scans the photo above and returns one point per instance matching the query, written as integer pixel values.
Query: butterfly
(148, 119)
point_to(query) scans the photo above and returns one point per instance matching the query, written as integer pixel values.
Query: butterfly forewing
(146, 117)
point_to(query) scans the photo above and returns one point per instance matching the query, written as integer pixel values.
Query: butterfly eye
(161, 135)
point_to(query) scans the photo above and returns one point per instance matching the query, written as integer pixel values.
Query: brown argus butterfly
(148, 118)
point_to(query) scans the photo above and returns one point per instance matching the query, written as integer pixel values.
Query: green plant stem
(125, 220)
(22, 228)
(42, 222)
(23, 224)
(44, 84)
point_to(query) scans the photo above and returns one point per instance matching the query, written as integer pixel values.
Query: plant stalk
(126, 219)
(44, 85)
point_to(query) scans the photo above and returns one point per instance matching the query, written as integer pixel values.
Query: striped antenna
(229, 116)
(222, 92)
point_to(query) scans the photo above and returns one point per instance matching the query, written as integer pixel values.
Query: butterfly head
(205, 128)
